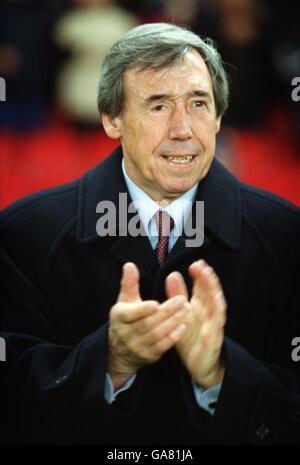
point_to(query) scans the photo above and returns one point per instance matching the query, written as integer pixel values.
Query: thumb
(175, 285)
(130, 284)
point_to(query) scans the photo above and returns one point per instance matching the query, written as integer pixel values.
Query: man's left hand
(200, 345)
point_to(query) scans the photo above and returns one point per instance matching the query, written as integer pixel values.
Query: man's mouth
(180, 159)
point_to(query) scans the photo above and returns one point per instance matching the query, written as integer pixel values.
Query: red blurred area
(56, 155)
(269, 158)
(52, 156)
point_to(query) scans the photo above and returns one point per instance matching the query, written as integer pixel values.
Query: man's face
(167, 127)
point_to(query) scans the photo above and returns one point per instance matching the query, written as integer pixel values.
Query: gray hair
(156, 46)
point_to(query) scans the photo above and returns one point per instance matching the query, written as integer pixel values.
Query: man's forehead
(179, 78)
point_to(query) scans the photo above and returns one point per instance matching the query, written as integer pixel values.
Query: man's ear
(111, 125)
(218, 124)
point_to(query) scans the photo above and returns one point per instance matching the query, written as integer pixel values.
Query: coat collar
(220, 191)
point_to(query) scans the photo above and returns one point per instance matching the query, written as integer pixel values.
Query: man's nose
(180, 125)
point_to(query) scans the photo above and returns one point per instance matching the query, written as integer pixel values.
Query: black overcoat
(59, 280)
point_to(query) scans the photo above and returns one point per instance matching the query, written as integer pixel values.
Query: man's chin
(173, 191)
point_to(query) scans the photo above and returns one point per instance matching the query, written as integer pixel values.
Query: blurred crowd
(51, 52)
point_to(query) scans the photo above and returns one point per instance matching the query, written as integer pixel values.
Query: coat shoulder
(269, 209)
(275, 220)
(268, 202)
(29, 226)
(46, 210)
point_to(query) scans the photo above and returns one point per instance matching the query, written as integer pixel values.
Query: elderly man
(141, 335)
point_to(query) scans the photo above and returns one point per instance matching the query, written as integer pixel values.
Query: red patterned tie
(165, 224)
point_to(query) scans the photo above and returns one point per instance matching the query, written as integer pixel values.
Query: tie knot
(165, 223)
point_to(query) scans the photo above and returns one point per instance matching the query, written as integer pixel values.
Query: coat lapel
(106, 183)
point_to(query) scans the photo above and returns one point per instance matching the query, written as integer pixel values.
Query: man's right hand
(140, 332)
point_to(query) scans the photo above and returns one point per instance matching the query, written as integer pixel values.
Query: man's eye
(199, 103)
(158, 108)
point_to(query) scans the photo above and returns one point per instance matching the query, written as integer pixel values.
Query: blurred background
(50, 56)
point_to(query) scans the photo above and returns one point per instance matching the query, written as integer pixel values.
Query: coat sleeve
(51, 392)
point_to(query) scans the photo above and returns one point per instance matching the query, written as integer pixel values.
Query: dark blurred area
(50, 57)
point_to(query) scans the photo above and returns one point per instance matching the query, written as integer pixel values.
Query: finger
(205, 279)
(197, 268)
(130, 284)
(212, 280)
(166, 327)
(194, 271)
(165, 311)
(131, 312)
(169, 341)
(207, 286)
(175, 285)
(220, 306)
